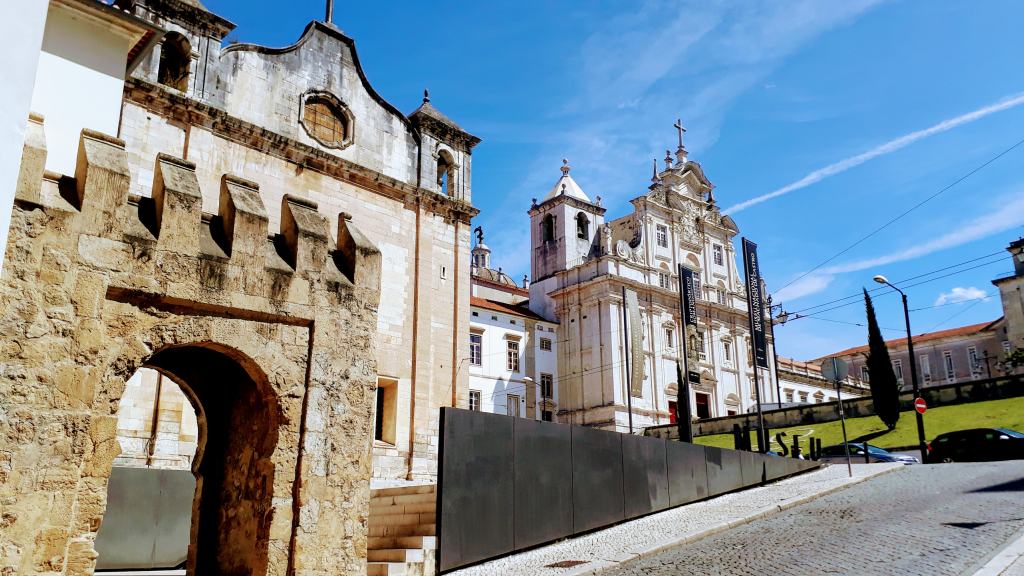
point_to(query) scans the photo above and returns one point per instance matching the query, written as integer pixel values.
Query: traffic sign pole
(838, 371)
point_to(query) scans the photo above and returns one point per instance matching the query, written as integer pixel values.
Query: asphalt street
(921, 520)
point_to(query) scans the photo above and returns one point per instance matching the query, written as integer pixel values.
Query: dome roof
(496, 276)
(567, 186)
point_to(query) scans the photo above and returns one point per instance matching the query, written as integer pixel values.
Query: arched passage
(237, 421)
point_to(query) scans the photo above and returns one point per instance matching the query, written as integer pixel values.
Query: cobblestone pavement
(921, 520)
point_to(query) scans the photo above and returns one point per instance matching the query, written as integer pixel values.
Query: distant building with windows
(513, 352)
(802, 383)
(944, 357)
(970, 352)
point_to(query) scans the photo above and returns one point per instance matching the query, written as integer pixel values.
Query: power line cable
(908, 211)
(922, 275)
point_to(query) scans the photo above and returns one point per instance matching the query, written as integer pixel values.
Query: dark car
(837, 454)
(977, 445)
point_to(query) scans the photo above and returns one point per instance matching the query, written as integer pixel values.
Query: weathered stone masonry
(270, 337)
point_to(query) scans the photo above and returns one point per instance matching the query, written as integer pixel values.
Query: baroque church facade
(580, 263)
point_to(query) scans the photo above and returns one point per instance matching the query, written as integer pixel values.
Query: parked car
(976, 445)
(836, 454)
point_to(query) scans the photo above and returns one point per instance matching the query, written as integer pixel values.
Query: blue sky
(770, 92)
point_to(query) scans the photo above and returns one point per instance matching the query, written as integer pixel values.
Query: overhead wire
(893, 220)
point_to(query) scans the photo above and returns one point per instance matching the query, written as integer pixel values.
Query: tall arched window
(445, 174)
(547, 229)
(582, 226)
(175, 59)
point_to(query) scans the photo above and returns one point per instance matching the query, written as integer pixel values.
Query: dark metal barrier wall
(506, 484)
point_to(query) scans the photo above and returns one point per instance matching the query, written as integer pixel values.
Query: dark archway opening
(230, 512)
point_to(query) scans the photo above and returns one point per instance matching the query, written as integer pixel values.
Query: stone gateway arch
(270, 338)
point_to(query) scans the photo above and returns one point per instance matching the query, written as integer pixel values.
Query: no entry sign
(920, 405)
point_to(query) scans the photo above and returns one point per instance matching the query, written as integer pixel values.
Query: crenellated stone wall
(270, 336)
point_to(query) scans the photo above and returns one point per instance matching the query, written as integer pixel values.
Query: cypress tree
(885, 390)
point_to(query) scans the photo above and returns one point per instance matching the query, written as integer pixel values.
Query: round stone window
(327, 120)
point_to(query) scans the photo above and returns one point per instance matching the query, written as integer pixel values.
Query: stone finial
(562, 191)
(179, 204)
(654, 171)
(597, 200)
(668, 160)
(533, 202)
(243, 221)
(305, 233)
(565, 167)
(426, 95)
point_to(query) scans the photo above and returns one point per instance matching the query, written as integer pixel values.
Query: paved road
(921, 520)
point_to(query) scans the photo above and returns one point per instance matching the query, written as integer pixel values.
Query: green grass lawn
(1007, 413)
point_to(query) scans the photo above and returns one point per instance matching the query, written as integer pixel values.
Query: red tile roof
(927, 336)
(521, 311)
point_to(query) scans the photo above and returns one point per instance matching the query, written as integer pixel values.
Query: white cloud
(881, 150)
(958, 295)
(810, 284)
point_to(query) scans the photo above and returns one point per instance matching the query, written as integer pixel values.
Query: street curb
(690, 537)
(1004, 557)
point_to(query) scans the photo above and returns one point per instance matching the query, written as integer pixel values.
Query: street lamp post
(775, 355)
(913, 367)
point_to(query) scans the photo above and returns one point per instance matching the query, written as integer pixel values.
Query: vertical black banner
(691, 339)
(755, 306)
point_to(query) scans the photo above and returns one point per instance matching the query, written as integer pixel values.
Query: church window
(326, 120)
(545, 344)
(662, 235)
(719, 255)
(720, 295)
(175, 60)
(702, 350)
(789, 396)
(897, 368)
(663, 280)
(445, 173)
(547, 229)
(819, 397)
(385, 415)
(474, 400)
(865, 375)
(582, 226)
(512, 356)
(476, 343)
(803, 397)
(669, 338)
(727, 352)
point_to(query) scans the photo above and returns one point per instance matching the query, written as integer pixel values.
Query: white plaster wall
(21, 32)
(492, 378)
(79, 83)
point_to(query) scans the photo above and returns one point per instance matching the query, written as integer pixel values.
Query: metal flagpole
(625, 350)
(754, 291)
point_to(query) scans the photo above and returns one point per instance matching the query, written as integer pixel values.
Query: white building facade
(513, 352)
(581, 262)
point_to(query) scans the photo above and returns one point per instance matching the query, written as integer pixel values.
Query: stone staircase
(402, 531)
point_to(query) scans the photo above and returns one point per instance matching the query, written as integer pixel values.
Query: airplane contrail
(881, 150)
